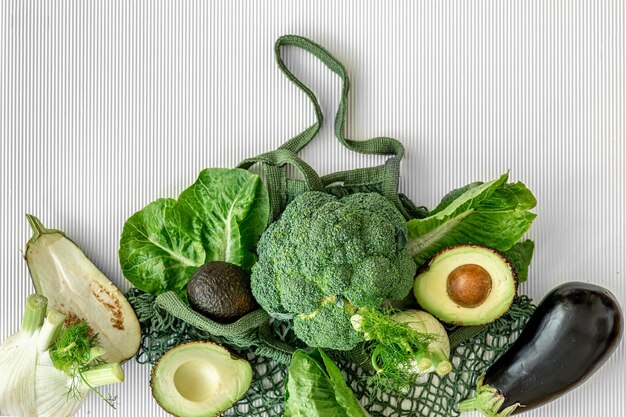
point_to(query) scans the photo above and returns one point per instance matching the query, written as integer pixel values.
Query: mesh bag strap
(172, 303)
(281, 188)
(273, 164)
(386, 175)
(379, 145)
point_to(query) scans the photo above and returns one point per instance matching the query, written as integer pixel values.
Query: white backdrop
(106, 106)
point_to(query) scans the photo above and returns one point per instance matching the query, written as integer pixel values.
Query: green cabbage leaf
(218, 218)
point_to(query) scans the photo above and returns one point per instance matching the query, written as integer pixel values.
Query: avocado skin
(220, 291)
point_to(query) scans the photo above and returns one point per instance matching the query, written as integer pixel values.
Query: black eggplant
(573, 331)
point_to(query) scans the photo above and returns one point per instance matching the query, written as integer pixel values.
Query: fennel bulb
(48, 370)
(437, 357)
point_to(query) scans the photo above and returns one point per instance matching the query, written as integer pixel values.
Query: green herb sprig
(75, 352)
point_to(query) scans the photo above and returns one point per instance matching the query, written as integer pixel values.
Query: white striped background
(105, 106)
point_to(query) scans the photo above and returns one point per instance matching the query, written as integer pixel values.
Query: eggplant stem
(38, 230)
(488, 401)
(36, 225)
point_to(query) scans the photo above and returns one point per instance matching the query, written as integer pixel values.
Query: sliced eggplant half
(74, 286)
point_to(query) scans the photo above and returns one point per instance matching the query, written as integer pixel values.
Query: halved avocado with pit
(199, 379)
(467, 285)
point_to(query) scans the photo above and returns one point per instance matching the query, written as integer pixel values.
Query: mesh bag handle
(273, 164)
(378, 145)
(282, 188)
(174, 305)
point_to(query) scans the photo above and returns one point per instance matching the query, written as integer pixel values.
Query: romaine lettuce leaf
(220, 217)
(493, 214)
(521, 254)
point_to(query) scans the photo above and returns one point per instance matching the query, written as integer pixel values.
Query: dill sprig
(73, 348)
(396, 349)
(74, 352)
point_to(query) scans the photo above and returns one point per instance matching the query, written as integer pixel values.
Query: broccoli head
(327, 257)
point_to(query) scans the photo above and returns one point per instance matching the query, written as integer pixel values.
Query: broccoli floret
(326, 257)
(327, 327)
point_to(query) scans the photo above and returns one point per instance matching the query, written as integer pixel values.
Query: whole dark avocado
(220, 291)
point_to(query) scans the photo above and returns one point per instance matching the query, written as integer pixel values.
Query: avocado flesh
(431, 285)
(199, 379)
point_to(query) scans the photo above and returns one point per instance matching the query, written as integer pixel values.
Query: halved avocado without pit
(199, 379)
(467, 285)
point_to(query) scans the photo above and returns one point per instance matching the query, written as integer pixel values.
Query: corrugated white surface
(105, 106)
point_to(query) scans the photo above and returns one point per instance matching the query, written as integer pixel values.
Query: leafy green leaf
(344, 395)
(220, 217)
(226, 207)
(521, 254)
(315, 387)
(160, 248)
(453, 195)
(493, 214)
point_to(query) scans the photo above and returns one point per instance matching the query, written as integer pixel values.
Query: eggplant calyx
(38, 229)
(488, 401)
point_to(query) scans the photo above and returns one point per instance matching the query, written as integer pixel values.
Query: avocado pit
(469, 285)
(466, 285)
